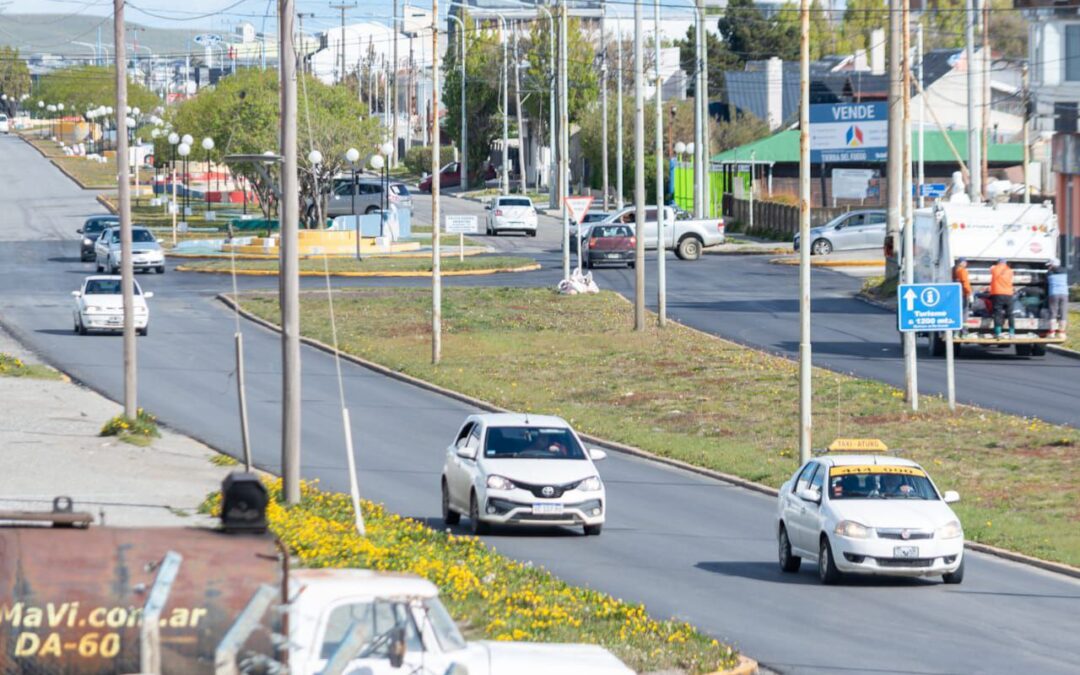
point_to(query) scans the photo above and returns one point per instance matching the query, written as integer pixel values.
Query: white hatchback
(868, 514)
(511, 214)
(99, 305)
(513, 469)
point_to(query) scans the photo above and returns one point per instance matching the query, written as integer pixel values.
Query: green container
(254, 224)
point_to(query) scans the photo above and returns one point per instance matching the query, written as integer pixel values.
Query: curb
(308, 273)
(64, 171)
(1063, 351)
(1059, 568)
(830, 263)
(745, 666)
(771, 251)
(259, 256)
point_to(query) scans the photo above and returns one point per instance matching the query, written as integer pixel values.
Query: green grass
(140, 431)
(383, 264)
(1073, 341)
(219, 459)
(682, 394)
(13, 366)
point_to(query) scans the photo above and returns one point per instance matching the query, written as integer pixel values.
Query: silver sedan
(848, 232)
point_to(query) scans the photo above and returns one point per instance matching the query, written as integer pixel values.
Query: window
(374, 619)
(532, 443)
(474, 437)
(446, 631)
(515, 201)
(463, 434)
(141, 236)
(817, 481)
(804, 477)
(610, 231)
(875, 218)
(1072, 53)
(880, 482)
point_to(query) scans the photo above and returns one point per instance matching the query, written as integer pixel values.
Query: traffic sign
(934, 190)
(207, 39)
(461, 225)
(577, 207)
(929, 307)
(849, 132)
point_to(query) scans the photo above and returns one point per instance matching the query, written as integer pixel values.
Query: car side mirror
(77, 294)
(596, 454)
(397, 646)
(951, 496)
(466, 452)
(78, 231)
(148, 294)
(808, 495)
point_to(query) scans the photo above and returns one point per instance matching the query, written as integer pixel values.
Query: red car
(450, 176)
(609, 244)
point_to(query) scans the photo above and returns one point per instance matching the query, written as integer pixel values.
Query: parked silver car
(369, 197)
(852, 230)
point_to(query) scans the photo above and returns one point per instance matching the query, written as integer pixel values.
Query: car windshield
(105, 287)
(602, 231)
(532, 443)
(137, 237)
(880, 482)
(514, 201)
(92, 226)
(594, 217)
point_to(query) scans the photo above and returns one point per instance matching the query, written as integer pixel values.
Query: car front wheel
(788, 562)
(477, 526)
(827, 571)
(689, 249)
(449, 516)
(955, 577)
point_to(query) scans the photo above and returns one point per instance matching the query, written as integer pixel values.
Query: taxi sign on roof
(857, 445)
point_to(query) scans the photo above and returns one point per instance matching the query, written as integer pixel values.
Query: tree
(582, 72)
(14, 78)
(861, 18)
(747, 34)
(483, 70)
(786, 27)
(718, 57)
(83, 87)
(945, 24)
(1008, 30)
(241, 115)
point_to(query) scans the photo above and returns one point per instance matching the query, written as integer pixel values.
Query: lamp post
(133, 152)
(464, 166)
(51, 109)
(208, 145)
(155, 134)
(379, 164)
(184, 150)
(189, 141)
(173, 138)
(108, 113)
(352, 155)
(315, 159)
(60, 120)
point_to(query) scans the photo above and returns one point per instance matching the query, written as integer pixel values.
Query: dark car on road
(608, 244)
(450, 176)
(90, 231)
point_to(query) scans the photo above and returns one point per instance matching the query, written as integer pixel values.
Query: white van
(5, 126)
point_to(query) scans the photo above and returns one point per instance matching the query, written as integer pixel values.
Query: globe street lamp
(208, 145)
(352, 156)
(315, 158)
(184, 150)
(379, 164)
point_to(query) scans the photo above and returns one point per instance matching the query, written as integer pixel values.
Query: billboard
(849, 132)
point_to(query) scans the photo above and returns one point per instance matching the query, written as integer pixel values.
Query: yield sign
(577, 207)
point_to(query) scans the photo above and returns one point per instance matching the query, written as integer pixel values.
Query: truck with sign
(88, 600)
(686, 238)
(1025, 235)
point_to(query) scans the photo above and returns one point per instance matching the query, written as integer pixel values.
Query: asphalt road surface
(685, 545)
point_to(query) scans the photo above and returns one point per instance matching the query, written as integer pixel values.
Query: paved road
(683, 544)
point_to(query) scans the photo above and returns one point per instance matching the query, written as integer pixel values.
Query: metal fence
(774, 218)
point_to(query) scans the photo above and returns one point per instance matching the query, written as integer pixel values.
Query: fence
(774, 218)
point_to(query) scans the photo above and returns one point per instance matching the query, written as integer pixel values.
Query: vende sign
(849, 132)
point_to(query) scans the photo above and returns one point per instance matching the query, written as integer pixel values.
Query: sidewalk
(49, 433)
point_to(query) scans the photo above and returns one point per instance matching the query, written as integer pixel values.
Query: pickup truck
(685, 237)
(88, 600)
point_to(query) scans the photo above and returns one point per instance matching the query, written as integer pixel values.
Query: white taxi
(99, 305)
(868, 514)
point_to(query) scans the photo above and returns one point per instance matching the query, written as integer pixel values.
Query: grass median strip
(372, 265)
(489, 595)
(13, 366)
(700, 399)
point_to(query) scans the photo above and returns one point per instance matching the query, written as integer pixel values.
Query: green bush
(418, 160)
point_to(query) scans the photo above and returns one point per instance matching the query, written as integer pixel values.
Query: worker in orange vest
(960, 276)
(1001, 296)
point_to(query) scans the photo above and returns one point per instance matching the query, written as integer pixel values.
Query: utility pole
(564, 139)
(894, 167)
(436, 225)
(661, 238)
(619, 202)
(922, 117)
(517, 111)
(603, 103)
(911, 372)
(394, 95)
(699, 152)
(706, 188)
(974, 159)
(505, 182)
(986, 100)
(289, 281)
(553, 167)
(301, 40)
(341, 73)
(639, 171)
(127, 271)
(1026, 140)
(805, 365)
(409, 99)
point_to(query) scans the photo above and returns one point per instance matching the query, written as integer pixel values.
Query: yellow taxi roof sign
(858, 445)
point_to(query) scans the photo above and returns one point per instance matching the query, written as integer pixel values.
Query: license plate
(905, 551)
(548, 509)
(614, 256)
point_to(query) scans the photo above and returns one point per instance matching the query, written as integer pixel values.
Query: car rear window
(604, 231)
(399, 189)
(514, 201)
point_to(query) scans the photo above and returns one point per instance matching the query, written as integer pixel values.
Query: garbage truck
(82, 599)
(1025, 235)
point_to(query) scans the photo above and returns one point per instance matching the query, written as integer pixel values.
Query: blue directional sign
(849, 132)
(934, 190)
(930, 307)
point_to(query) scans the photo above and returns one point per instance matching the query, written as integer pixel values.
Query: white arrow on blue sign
(930, 307)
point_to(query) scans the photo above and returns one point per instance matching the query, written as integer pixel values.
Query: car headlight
(87, 242)
(852, 530)
(950, 530)
(591, 484)
(499, 483)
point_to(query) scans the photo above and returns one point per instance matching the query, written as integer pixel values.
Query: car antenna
(526, 418)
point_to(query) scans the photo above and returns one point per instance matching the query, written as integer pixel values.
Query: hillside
(58, 33)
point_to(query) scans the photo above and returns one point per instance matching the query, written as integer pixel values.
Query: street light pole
(661, 239)
(619, 203)
(603, 103)
(505, 183)
(805, 356)
(464, 171)
(127, 271)
(352, 155)
(639, 171)
(564, 141)
(208, 145)
(436, 226)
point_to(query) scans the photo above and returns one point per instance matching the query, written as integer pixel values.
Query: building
(1054, 55)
